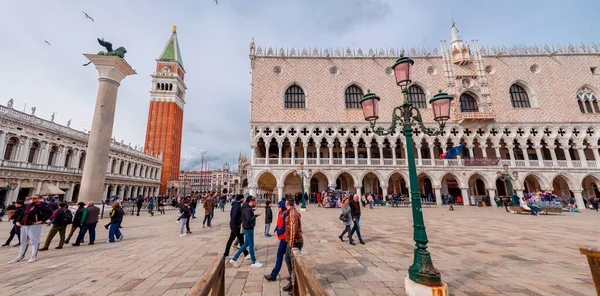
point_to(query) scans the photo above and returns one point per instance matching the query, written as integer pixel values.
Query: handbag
(344, 218)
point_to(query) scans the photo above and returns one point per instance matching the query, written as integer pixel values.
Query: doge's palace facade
(534, 108)
(36, 152)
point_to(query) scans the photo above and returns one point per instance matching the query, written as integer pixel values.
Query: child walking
(268, 218)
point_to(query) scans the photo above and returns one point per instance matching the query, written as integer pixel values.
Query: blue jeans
(279, 261)
(182, 222)
(193, 213)
(356, 228)
(83, 229)
(248, 243)
(114, 232)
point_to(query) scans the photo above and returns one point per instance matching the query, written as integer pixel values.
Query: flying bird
(48, 43)
(87, 16)
(217, 1)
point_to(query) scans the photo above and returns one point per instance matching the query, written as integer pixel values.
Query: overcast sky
(214, 43)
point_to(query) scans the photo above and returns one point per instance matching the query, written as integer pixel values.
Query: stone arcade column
(578, 199)
(438, 195)
(465, 196)
(111, 71)
(279, 192)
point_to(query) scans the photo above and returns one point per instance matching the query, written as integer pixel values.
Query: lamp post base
(414, 289)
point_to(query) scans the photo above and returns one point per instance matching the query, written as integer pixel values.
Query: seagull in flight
(48, 43)
(87, 16)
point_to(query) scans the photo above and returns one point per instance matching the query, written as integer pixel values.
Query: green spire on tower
(171, 51)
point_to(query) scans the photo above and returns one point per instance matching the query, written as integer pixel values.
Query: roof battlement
(489, 51)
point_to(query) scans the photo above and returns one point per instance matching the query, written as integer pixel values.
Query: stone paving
(479, 251)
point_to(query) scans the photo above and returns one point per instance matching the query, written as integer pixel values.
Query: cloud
(214, 44)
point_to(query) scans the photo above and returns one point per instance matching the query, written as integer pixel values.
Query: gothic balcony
(488, 162)
(462, 116)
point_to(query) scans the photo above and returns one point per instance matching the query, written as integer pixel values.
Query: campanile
(165, 115)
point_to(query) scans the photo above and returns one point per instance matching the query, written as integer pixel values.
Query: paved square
(479, 251)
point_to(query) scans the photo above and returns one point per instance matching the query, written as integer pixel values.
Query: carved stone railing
(475, 116)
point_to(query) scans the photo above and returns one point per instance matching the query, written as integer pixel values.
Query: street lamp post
(506, 177)
(422, 271)
(184, 184)
(303, 175)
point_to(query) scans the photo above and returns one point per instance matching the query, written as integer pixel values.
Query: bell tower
(165, 115)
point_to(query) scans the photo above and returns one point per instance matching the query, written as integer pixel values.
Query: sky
(214, 41)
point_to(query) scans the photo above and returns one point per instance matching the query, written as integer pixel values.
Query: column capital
(437, 187)
(111, 68)
(358, 186)
(343, 145)
(577, 191)
(329, 145)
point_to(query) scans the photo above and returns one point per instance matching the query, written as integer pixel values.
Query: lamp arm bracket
(417, 120)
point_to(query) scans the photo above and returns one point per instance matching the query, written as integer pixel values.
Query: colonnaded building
(41, 155)
(534, 108)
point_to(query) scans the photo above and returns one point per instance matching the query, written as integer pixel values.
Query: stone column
(252, 190)
(369, 154)
(511, 152)
(438, 195)
(519, 191)
(492, 195)
(305, 146)
(343, 145)
(358, 190)
(538, 153)
(355, 153)
(253, 154)
(582, 158)
(483, 151)
(497, 151)
(380, 153)
(471, 152)
(553, 154)
(111, 71)
(525, 155)
(579, 199)
(293, 150)
(2, 143)
(280, 147)
(130, 191)
(137, 191)
(14, 194)
(431, 154)
(330, 146)
(596, 154)
(465, 196)
(567, 157)
(38, 187)
(393, 154)
(69, 197)
(279, 192)
(113, 191)
(384, 192)
(318, 149)
(419, 162)
(24, 150)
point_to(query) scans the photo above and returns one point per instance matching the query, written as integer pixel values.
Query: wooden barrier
(212, 281)
(305, 278)
(593, 257)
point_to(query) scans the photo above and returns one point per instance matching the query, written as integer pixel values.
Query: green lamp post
(506, 177)
(406, 115)
(303, 175)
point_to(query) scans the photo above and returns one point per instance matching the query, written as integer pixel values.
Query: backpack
(66, 217)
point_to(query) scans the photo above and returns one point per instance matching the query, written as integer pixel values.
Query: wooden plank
(306, 277)
(208, 279)
(593, 257)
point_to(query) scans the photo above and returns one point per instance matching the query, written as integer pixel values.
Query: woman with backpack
(77, 220)
(61, 218)
(346, 218)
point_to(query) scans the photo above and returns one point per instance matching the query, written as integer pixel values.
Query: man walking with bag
(89, 220)
(235, 223)
(293, 237)
(61, 218)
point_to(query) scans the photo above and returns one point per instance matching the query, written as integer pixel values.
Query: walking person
(268, 218)
(280, 231)
(293, 237)
(76, 220)
(222, 202)
(193, 206)
(89, 220)
(140, 202)
(451, 202)
(208, 205)
(186, 214)
(61, 218)
(595, 203)
(15, 230)
(248, 223)
(235, 224)
(161, 206)
(35, 214)
(151, 206)
(116, 218)
(346, 218)
(355, 209)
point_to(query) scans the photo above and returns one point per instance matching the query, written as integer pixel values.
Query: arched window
(519, 97)
(11, 148)
(353, 96)
(416, 96)
(468, 103)
(52, 155)
(82, 161)
(68, 158)
(33, 151)
(294, 97)
(157, 86)
(587, 101)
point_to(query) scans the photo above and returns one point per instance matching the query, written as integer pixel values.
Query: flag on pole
(454, 151)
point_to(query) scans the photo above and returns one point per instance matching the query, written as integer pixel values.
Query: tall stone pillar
(38, 187)
(111, 71)
(465, 196)
(279, 192)
(70, 193)
(252, 190)
(492, 195)
(579, 199)
(438, 195)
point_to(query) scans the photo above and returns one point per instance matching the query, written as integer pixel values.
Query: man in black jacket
(15, 230)
(140, 202)
(36, 213)
(76, 220)
(235, 223)
(248, 223)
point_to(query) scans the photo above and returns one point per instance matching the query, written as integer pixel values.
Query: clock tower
(165, 115)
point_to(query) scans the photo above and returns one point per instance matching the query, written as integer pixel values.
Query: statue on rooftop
(10, 103)
(33, 110)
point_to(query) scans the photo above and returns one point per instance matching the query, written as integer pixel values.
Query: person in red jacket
(280, 231)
